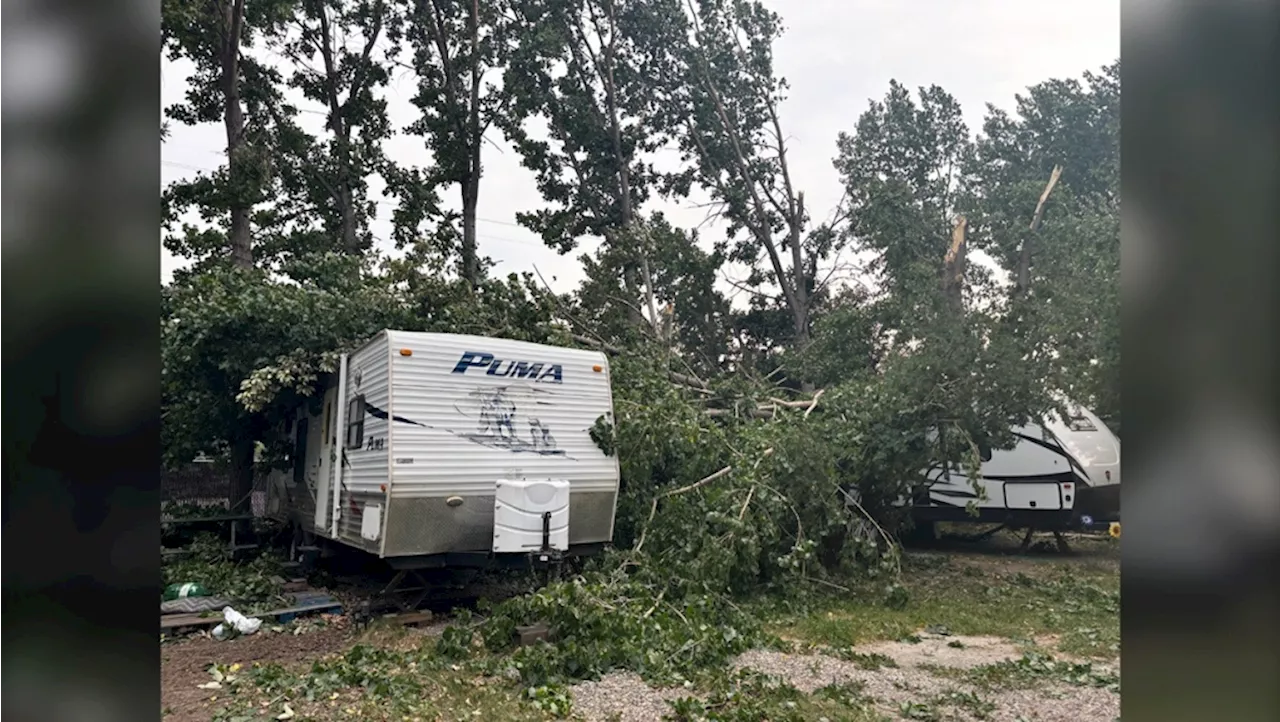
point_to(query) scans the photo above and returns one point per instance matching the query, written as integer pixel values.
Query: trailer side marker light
(597, 368)
(383, 487)
(406, 352)
(1066, 486)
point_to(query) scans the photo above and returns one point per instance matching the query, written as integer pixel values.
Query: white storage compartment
(1039, 496)
(518, 513)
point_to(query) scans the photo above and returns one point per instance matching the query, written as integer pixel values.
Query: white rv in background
(1097, 450)
(428, 446)
(1054, 476)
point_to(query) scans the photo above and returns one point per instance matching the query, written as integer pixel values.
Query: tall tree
(230, 87)
(459, 48)
(588, 72)
(903, 170)
(1065, 270)
(333, 50)
(724, 108)
(938, 342)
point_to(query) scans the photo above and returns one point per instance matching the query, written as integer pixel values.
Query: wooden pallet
(306, 603)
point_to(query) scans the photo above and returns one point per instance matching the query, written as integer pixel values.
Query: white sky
(837, 55)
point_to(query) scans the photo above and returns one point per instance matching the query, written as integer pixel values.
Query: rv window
(300, 452)
(1081, 423)
(355, 423)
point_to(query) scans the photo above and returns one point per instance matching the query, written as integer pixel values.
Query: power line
(377, 201)
(381, 202)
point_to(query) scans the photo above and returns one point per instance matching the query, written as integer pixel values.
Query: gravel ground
(937, 649)
(624, 697)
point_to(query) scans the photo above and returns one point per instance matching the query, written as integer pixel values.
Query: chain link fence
(206, 484)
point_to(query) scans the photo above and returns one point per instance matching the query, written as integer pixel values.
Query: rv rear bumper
(1101, 503)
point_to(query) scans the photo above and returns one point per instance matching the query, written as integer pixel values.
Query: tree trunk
(241, 472)
(1023, 275)
(233, 120)
(474, 140)
(800, 309)
(470, 252)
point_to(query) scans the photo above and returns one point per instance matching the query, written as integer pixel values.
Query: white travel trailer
(1054, 476)
(432, 449)
(1097, 450)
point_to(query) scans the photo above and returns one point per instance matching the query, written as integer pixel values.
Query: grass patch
(1034, 669)
(1078, 603)
(369, 683)
(750, 696)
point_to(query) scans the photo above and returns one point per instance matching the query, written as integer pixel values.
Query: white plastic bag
(237, 621)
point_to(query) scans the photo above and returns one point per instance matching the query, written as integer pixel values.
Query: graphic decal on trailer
(497, 418)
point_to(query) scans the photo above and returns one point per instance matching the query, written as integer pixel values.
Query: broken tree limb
(760, 412)
(953, 265)
(653, 511)
(1024, 254)
(814, 404)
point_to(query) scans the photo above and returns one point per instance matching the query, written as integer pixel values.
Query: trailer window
(1081, 423)
(300, 451)
(355, 423)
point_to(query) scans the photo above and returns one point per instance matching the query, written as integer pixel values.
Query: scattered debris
(236, 625)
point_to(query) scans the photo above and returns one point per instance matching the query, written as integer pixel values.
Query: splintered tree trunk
(953, 268)
(1023, 277)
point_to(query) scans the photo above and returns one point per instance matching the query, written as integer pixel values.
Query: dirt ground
(184, 664)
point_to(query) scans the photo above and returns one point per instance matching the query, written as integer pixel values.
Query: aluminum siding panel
(458, 433)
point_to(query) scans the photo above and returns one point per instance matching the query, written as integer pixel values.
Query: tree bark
(233, 122)
(241, 471)
(471, 182)
(470, 249)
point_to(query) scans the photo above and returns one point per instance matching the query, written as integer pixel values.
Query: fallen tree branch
(814, 404)
(683, 379)
(760, 412)
(653, 511)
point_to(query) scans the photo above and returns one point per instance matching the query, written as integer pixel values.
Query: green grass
(749, 696)
(1076, 601)
(1034, 669)
(369, 683)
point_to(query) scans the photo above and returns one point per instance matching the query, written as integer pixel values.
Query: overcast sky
(837, 55)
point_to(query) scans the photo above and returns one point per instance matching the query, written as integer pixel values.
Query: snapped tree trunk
(953, 268)
(1023, 277)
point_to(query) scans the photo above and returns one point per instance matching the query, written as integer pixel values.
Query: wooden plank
(173, 621)
(409, 618)
(192, 619)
